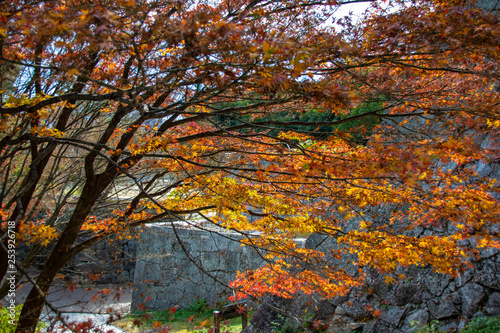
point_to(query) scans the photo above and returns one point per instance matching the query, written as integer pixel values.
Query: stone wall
(165, 276)
(422, 296)
(111, 261)
(488, 4)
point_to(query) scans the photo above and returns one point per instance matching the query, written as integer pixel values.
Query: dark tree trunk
(60, 255)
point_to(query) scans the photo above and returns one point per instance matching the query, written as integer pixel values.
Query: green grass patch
(8, 324)
(476, 325)
(483, 325)
(196, 318)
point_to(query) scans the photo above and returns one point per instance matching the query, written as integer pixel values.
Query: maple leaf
(173, 309)
(205, 323)
(157, 324)
(389, 279)
(241, 310)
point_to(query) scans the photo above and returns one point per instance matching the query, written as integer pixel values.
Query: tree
(109, 94)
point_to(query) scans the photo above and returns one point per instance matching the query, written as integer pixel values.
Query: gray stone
(266, 320)
(473, 296)
(356, 326)
(464, 278)
(129, 264)
(369, 327)
(314, 241)
(449, 327)
(415, 319)
(326, 244)
(482, 169)
(426, 296)
(456, 298)
(123, 277)
(356, 308)
(339, 300)
(339, 311)
(408, 293)
(393, 315)
(437, 283)
(442, 308)
(336, 321)
(382, 289)
(489, 252)
(324, 309)
(478, 314)
(132, 245)
(489, 5)
(489, 275)
(381, 327)
(492, 307)
(461, 325)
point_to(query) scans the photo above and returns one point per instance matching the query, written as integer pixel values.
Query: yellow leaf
(73, 71)
(389, 279)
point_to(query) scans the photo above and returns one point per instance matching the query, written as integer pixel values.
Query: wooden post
(217, 321)
(244, 319)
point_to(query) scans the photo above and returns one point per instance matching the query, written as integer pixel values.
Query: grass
(481, 324)
(127, 325)
(197, 318)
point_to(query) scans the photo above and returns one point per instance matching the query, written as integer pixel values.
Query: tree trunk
(62, 253)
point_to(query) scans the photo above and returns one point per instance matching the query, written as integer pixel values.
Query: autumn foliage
(116, 113)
